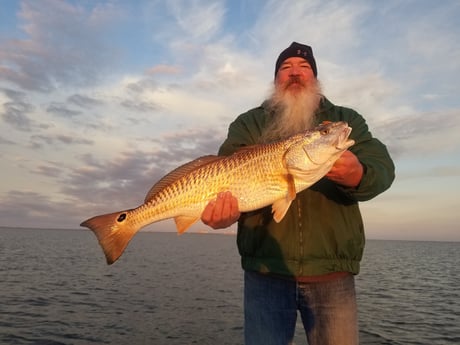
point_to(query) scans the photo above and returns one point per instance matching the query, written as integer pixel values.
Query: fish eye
(121, 218)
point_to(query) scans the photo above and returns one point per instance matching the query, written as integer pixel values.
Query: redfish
(258, 176)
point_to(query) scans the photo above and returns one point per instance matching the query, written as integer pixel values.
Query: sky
(100, 99)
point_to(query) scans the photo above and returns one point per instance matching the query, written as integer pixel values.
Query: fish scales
(229, 173)
(257, 176)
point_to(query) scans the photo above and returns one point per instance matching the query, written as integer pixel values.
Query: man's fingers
(208, 211)
(235, 212)
(228, 205)
(222, 212)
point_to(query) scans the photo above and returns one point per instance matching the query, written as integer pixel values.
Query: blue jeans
(328, 310)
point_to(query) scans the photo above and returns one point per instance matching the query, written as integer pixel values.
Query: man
(307, 262)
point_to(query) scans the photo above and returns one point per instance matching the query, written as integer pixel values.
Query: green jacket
(322, 231)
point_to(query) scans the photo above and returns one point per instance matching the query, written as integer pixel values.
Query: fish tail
(113, 231)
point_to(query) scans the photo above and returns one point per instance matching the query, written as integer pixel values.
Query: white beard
(294, 112)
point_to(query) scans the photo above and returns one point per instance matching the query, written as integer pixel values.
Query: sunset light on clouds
(100, 99)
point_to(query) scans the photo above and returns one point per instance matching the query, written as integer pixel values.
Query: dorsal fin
(247, 148)
(178, 173)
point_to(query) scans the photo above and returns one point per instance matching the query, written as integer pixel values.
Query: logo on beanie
(299, 52)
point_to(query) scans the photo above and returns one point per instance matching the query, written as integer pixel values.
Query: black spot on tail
(121, 218)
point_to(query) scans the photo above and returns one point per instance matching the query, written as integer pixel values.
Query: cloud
(16, 111)
(63, 45)
(201, 20)
(105, 185)
(140, 106)
(4, 141)
(58, 139)
(62, 110)
(13, 95)
(187, 21)
(97, 118)
(369, 93)
(163, 69)
(35, 210)
(442, 172)
(16, 115)
(304, 22)
(430, 134)
(84, 101)
(50, 169)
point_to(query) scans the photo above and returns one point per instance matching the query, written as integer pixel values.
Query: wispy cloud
(63, 45)
(100, 100)
(84, 101)
(16, 114)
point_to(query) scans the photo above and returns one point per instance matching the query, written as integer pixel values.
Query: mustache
(294, 80)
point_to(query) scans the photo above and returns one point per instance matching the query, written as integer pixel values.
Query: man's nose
(294, 71)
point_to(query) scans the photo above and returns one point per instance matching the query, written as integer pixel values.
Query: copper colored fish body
(258, 176)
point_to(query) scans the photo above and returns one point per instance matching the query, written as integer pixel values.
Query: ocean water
(55, 288)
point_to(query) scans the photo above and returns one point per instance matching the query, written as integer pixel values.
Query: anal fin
(184, 222)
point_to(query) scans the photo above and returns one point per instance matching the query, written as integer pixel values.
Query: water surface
(166, 289)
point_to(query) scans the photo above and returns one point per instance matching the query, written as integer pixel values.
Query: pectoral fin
(184, 222)
(280, 207)
(291, 187)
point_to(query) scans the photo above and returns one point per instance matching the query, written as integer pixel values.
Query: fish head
(327, 142)
(318, 149)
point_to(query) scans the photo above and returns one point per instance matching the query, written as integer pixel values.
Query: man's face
(294, 74)
(295, 99)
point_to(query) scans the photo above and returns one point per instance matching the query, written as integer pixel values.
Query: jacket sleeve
(379, 169)
(244, 131)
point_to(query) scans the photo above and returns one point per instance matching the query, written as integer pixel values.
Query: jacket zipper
(299, 214)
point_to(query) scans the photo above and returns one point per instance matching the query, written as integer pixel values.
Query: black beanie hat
(300, 50)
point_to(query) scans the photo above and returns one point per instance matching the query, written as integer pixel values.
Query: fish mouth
(343, 141)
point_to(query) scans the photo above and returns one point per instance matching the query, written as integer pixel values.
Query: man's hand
(347, 170)
(222, 212)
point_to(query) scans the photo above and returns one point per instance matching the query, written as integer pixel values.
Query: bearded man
(306, 263)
